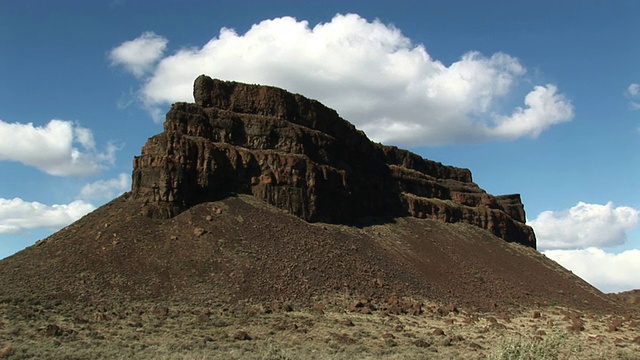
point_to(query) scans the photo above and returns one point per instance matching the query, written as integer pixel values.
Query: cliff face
(300, 156)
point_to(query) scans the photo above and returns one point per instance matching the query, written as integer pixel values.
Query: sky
(537, 98)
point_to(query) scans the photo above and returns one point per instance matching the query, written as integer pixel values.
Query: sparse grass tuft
(272, 351)
(558, 345)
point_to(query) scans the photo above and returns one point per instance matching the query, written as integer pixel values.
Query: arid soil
(144, 330)
(237, 278)
(240, 249)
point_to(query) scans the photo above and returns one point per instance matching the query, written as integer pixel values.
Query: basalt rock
(301, 156)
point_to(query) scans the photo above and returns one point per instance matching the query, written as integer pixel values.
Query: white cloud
(17, 215)
(633, 91)
(53, 148)
(139, 55)
(106, 189)
(372, 74)
(585, 225)
(606, 271)
(545, 107)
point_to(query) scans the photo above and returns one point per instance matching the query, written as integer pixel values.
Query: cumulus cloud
(633, 92)
(140, 54)
(106, 189)
(544, 107)
(369, 72)
(59, 148)
(585, 225)
(606, 271)
(17, 215)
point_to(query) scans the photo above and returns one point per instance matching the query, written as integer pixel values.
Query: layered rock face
(300, 156)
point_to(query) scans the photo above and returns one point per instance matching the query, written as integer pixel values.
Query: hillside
(240, 249)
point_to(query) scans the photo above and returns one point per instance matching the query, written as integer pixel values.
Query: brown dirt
(240, 250)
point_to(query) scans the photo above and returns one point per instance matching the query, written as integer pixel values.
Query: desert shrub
(272, 352)
(519, 348)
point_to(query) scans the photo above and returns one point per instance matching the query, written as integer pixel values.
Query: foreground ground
(512, 302)
(345, 329)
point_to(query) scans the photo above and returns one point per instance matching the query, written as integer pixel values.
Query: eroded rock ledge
(299, 155)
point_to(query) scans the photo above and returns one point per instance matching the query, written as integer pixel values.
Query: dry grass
(173, 331)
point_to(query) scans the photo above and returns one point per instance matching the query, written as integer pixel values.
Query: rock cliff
(300, 156)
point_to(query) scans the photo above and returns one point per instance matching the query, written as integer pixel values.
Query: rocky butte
(302, 157)
(254, 195)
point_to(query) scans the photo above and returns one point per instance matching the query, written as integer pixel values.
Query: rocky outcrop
(300, 156)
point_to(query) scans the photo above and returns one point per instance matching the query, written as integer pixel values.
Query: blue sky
(538, 98)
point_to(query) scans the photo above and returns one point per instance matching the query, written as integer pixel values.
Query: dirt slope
(240, 249)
